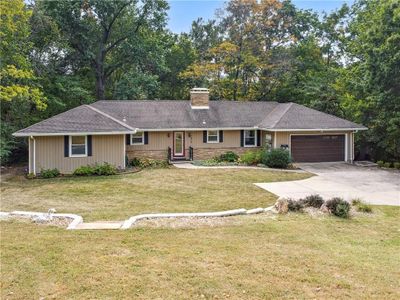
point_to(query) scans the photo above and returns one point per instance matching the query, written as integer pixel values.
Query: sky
(183, 12)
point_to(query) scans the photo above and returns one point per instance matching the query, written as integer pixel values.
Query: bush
(228, 157)
(84, 171)
(99, 169)
(313, 201)
(294, 205)
(277, 158)
(148, 163)
(49, 173)
(30, 176)
(380, 163)
(396, 165)
(363, 207)
(338, 207)
(387, 164)
(251, 157)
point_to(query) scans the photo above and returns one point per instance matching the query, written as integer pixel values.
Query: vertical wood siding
(105, 148)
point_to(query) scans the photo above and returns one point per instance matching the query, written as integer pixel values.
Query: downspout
(33, 157)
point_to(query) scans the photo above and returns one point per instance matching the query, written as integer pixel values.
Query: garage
(318, 148)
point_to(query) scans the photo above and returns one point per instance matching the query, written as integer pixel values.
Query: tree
(107, 35)
(19, 92)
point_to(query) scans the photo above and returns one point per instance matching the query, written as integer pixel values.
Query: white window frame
(70, 147)
(255, 139)
(142, 143)
(212, 142)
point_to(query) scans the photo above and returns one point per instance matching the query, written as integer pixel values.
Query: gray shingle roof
(124, 116)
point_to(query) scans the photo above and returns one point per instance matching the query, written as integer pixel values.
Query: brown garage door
(317, 148)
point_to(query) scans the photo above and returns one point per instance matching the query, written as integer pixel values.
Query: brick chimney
(199, 98)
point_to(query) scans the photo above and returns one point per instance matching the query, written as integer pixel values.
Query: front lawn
(293, 256)
(159, 190)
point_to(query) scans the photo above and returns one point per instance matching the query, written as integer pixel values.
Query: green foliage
(251, 157)
(363, 207)
(338, 207)
(105, 169)
(228, 157)
(277, 158)
(396, 165)
(387, 165)
(148, 163)
(295, 205)
(49, 173)
(313, 201)
(380, 163)
(30, 176)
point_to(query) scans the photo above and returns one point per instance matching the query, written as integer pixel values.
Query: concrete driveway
(372, 185)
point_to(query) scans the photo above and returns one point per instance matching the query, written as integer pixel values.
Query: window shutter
(128, 139)
(241, 138)
(89, 145)
(205, 136)
(146, 137)
(221, 136)
(66, 146)
(258, 138)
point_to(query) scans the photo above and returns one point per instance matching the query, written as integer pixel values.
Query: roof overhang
(315, 129)
(72, 133)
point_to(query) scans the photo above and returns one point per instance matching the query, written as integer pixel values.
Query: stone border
(76, 219)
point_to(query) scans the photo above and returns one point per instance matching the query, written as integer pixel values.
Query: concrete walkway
(372, 185)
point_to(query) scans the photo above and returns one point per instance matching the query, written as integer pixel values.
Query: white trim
(34, 156)
(199, 129)
(213, 142)
(78, 155)
(199, 107)
(131, 136)
(73, 133)
(255, 139)
(290, 140)
(346, 147)
(124, 147)
(314, 129)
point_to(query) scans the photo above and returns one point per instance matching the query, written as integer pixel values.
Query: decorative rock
(255, 211)
(282, 206)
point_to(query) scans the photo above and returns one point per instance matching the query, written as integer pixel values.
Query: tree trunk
(100, 78)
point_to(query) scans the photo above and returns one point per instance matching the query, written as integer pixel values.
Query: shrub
(363, 207)
(148, 163)
(396, 165)
(49, 173)
(356, 201)
(30, 176)
(251, 157)
(105, 170)
(228, 156)
(294, 205)
(98, 169)
(277, 158)
(313, 201)
(387, 164)
(84, 171)
(338, 207)
(380, 163)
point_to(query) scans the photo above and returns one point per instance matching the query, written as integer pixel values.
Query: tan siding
(105, 148)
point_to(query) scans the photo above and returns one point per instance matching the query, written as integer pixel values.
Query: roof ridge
(109, 117)
(290, 104)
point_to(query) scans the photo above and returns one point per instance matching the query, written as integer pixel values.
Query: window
(137, 138)
(78, 144)
(213, 136)
(250, 138)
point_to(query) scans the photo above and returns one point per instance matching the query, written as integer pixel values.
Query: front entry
(179, 144)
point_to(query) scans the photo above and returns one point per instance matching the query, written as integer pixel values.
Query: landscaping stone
(282, 206)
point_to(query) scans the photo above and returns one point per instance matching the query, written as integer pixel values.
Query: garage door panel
(318, 148)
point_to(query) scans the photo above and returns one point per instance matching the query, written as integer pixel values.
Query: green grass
(149, 191)
(293, 256)
(255, 257)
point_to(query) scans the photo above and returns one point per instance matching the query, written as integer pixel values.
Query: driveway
(372, 185)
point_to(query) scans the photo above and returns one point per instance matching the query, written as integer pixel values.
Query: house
(117, 131)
